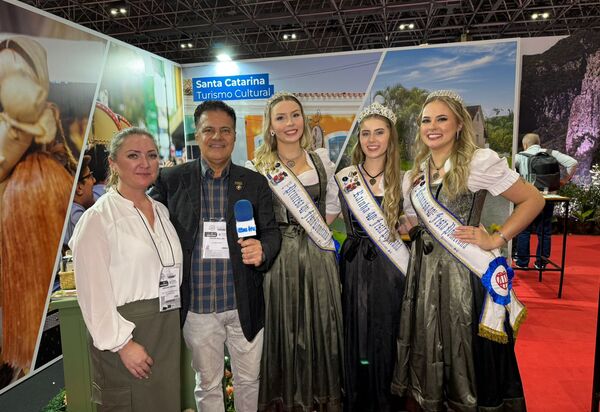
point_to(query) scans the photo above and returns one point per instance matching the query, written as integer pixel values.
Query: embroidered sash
(290, 191)
(364, 207)
(493, 270)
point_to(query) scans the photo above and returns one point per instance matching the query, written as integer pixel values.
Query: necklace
(290, 162)
(436, 175)
(373, 179)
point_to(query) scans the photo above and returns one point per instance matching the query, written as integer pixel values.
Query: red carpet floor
(555, 346)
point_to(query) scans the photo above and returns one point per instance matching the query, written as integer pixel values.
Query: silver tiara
(378, 109)
(278, 95)
(446, 93)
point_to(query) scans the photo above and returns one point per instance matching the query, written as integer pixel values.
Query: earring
(272, 133)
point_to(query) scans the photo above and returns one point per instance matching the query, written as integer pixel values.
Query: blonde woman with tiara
(372, 282)
(453, 355)
(302, 361)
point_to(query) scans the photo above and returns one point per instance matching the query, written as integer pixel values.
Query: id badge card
(168, 288)
(214, 240)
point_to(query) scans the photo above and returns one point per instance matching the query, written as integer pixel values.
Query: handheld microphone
(244, 218)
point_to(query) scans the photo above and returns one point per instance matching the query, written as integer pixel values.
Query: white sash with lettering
(290, 191)
(363, 206)
(495, 273)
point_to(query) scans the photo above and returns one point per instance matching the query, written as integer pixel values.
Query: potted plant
(585, 204)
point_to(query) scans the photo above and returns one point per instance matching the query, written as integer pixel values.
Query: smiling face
(215, 134)
(136, 162)
(374, 137)
(287, 121)
(439, 126)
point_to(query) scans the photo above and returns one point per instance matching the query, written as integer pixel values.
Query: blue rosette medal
(493, 270)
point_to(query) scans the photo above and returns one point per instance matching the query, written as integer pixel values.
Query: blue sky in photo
(483, 74)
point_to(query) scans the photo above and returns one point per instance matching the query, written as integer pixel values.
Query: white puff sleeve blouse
(488, 171)
(310, 177)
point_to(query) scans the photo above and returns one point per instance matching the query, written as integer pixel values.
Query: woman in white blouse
(442, 361)
(302, 361)
(124, 247)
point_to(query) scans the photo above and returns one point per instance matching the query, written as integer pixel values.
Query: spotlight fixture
(543, 15)
(223, 57)
(408, 26)
(115, 11)
(289, 36)
(190, 45)
(285, 36)
(293, 36)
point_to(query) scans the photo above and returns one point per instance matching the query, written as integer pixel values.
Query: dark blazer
(178, 188)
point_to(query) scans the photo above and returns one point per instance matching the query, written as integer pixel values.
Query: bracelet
(502, 236)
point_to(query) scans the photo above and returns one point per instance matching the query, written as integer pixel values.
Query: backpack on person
(546, 169)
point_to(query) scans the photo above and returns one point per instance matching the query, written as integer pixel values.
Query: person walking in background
(99, 167)
(222, 295)
(525, 164)
(302, 362)
(83, 198)
(450, 353)
(127, 261)
(372, 274)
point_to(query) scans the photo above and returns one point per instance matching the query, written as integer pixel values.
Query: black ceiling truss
(255, 28)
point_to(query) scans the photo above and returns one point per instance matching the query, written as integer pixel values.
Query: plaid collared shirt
(212, 279)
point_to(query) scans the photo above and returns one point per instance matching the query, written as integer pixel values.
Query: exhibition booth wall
(94, 85)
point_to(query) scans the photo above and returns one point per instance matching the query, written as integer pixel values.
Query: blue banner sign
(245, 87)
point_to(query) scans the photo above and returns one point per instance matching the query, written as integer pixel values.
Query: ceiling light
(293, 36)
(534, 16)
(411, 26)
(123, 10)
(190, 45)
(402, 26)
(223, 57)
(286, 36)
(183, 45)
(114, 12)
(545, 15)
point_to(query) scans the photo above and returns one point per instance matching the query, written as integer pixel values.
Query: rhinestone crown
(378, 109)
(446, 93)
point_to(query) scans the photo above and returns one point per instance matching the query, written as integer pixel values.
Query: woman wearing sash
(127, 260)
(449, 358)
(302, 361)
(372, 281)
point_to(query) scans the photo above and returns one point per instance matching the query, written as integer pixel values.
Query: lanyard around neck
(152, 238)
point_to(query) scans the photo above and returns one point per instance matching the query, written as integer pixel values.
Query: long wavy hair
(266, 154)
(392, 196)
(455, 181)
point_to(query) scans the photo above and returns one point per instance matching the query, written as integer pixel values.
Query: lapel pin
(238, 185)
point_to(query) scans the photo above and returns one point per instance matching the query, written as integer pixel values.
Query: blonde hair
(455, 181)
(392, 196)
(266, 154)
(115, 146)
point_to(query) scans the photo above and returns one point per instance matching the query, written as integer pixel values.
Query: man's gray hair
(530, 139)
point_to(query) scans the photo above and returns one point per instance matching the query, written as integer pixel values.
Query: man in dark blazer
(222, 299)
